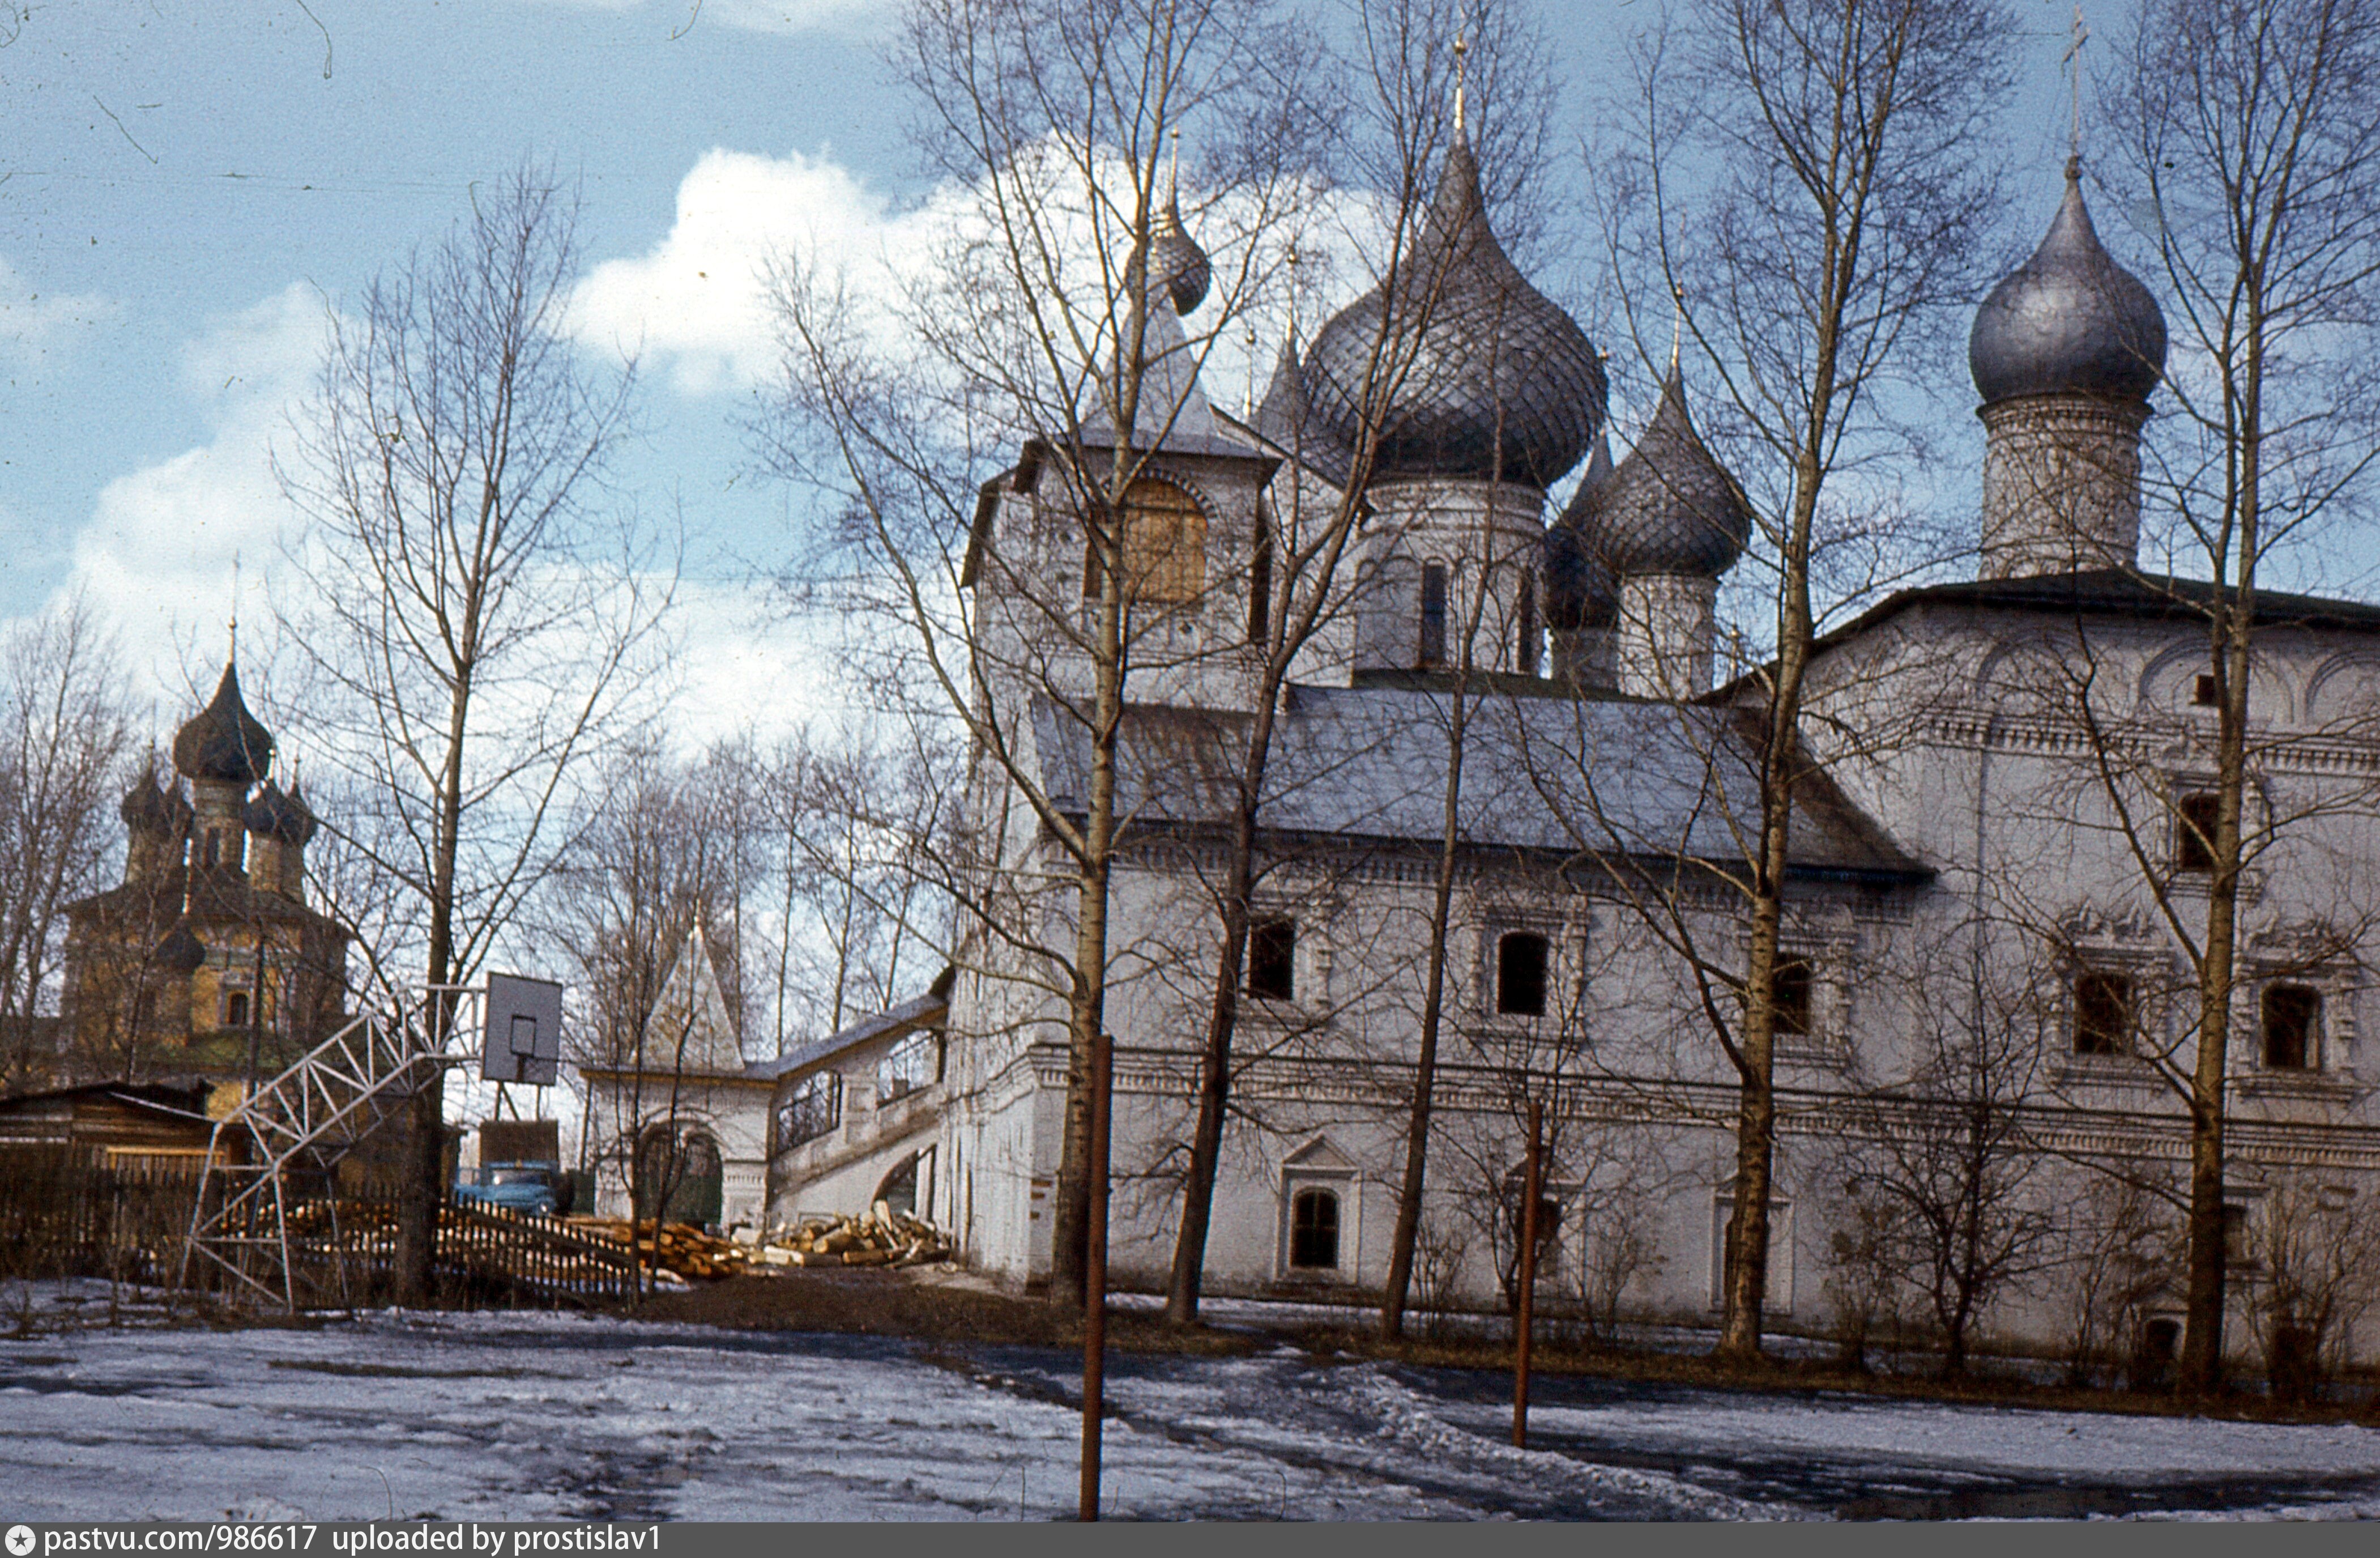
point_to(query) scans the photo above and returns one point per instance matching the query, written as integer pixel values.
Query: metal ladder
(302, 1120)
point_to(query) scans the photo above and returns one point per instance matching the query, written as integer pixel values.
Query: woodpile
(884, 1237)
(675, 1247)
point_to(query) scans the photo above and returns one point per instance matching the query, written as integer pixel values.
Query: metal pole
(1525, 1320)
(1095, 1274)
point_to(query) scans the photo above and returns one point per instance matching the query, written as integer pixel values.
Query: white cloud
(696, 304)
(33, 322)
(157, 555)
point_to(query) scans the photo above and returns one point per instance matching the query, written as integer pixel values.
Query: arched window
(236, 1009)
(1164, 546)
(1432, 649)
(1527, 649)
(1314, 1230)
(1521, 958)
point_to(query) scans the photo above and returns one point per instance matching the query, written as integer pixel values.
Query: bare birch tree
(1802, 184)
(469, 610)
(2249, 125)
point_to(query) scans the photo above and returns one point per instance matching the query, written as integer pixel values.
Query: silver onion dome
(1176, 261)
(1497, 381)
(1669, 507)
(2070, 321)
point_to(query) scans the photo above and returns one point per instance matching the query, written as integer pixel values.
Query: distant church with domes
(1960, 879)
(207, 963)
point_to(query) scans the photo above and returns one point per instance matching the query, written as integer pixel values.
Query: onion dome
(155, 811)
(279, 815)
(1499, 382)
(224, 742)
(181, 952)
(2070, 321)
(1176, 261)
(1668, 507)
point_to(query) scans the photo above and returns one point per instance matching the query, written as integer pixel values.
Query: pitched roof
(923, 1011)
(1543, 772)
(2116, 593)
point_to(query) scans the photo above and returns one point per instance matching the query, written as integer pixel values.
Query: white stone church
(1994, 857)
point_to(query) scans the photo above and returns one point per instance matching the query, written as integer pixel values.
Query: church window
(1433, 614)
(2193, 832)
(1163, 543)
(1261, 581)
(236, 1009)
(1526, 656)
(2292, 1026)
(1521, 958)
(2103, 1014)
(1550, 1219)
(1795, 985)
(1272, 959)
(1314, 1230)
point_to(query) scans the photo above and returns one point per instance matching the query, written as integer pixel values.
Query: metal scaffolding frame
(302, 1122)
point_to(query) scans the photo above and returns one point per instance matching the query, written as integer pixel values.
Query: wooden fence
(77, 1212)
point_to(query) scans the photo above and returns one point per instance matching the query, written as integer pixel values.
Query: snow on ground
(533, 1416)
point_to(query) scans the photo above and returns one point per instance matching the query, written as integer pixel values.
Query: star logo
(21, 1541)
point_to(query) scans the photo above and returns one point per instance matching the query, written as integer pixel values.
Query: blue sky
(183, 184)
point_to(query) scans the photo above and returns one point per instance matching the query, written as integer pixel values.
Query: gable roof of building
(1544, 772)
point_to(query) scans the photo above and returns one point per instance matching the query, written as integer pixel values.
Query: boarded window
(2103, 1014)
(1272, 959)
(1164, 546)
(1521, 974)
(1164, 542)
(1432, 651)
(1314, 1230)
(1795, 985)
(2292, 1026)
(2194, 833)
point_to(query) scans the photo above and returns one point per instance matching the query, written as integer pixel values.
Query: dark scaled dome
(181, 952)
(2070, 321)
(1502, 382)
(155, 811)
(1668, 507)
(1175, 259)
(224, 742)
(279, 815)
